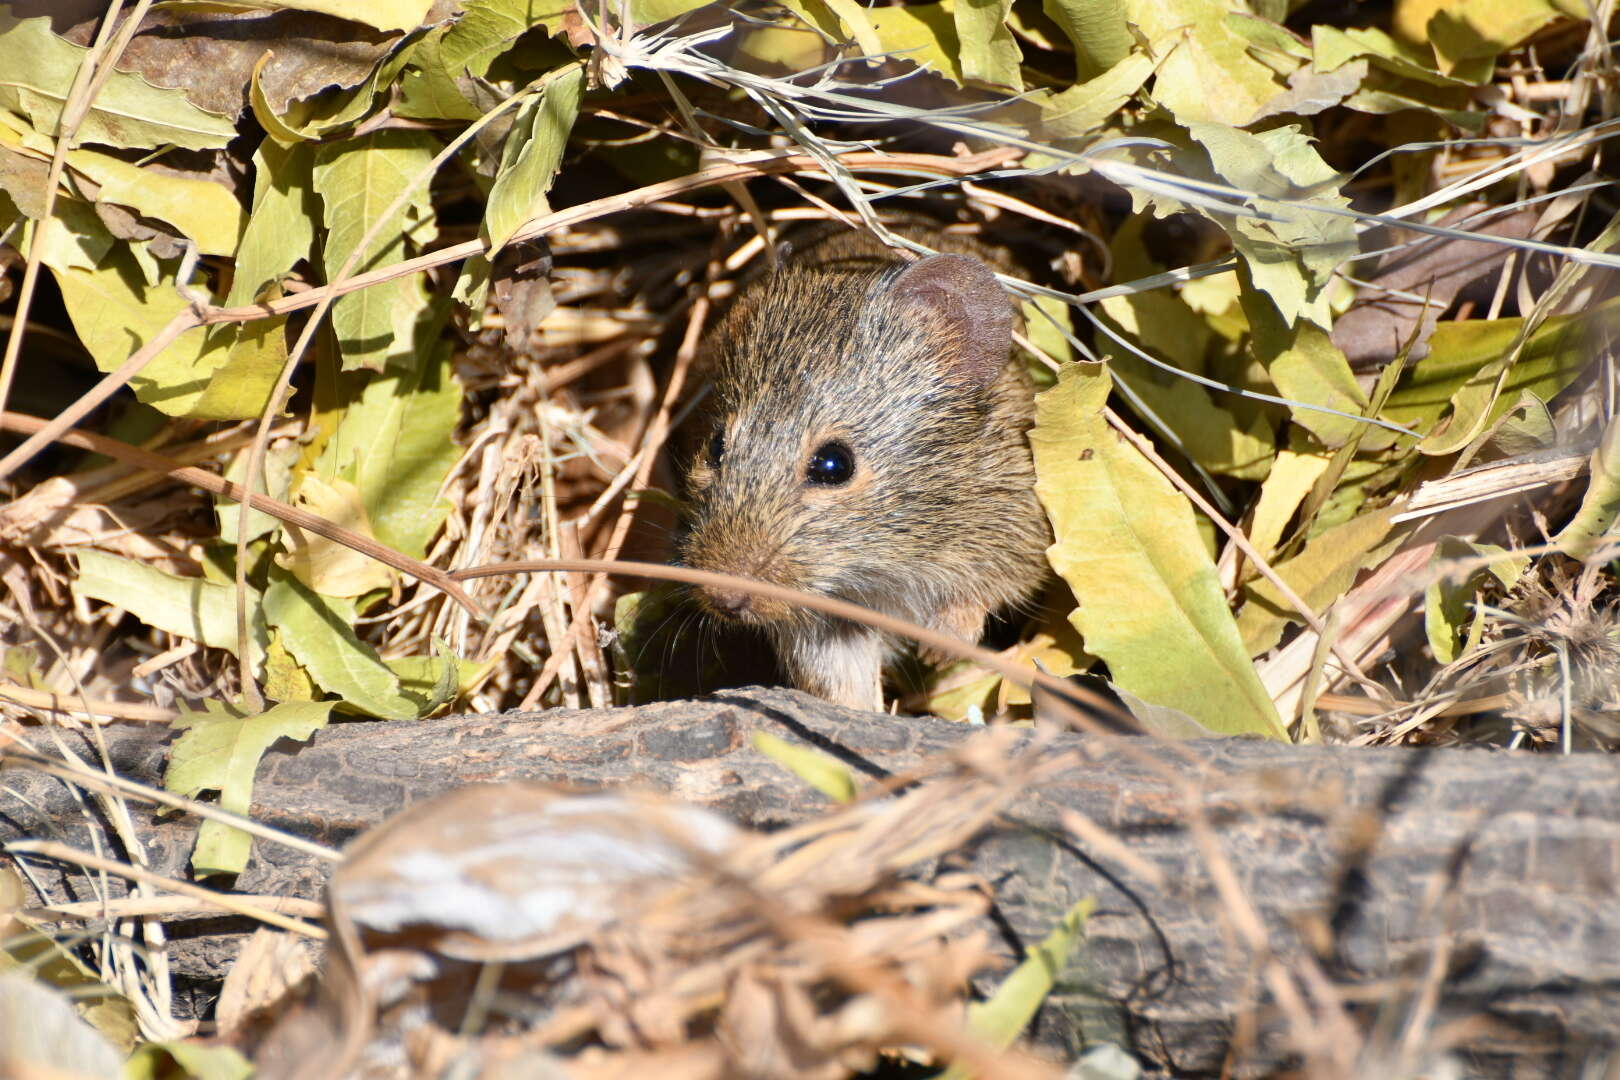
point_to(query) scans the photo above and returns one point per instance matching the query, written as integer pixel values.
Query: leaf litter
(1409, 229)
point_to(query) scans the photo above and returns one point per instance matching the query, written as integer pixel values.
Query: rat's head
(845, 442)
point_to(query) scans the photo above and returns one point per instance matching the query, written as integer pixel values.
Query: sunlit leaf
(1446, 602)
(529, 162)
(1097, 29)
(1600, 506)
(1150, 601)
(393, 441)
(922, 34)
(203, 210)
(988, 52)
(1209, 73)
(192, 608)
(220, 751)
(37, 69)
(281, 230)
(319, 632)
(326, 566)
(359, 179)
(1319, 574)
(821, 771)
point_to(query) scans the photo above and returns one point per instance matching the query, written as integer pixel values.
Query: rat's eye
(717, 447)
(832, 464)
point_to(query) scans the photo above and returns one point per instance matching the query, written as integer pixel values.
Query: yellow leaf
(326, 566)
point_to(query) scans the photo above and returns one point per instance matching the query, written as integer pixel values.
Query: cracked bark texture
(1363, 860)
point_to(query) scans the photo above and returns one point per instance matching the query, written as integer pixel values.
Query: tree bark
(1486, 879)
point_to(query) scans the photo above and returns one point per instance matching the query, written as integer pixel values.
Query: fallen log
(1247, 893)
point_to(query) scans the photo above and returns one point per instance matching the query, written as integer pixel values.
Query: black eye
(832, 464)
(717, 447)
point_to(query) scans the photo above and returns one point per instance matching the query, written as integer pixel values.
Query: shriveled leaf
(1310, 91)
(1447, 600)
(529, 162)
(826, 774)
(1097, 29)
(394, 442)
(1320, 573)
(198, 610)
(1151, 604)
(319, 633)
(999, 1020)
(988, 54)
(281, 231)
(1594, 521)
(203, 210)
(37, 69)
(328, 567)
(359, 179)
(1209, 74)
(220, 751)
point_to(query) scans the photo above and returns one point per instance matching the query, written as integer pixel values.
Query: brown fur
(939, 524)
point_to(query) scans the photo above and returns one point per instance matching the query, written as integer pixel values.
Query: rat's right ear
(978, 311)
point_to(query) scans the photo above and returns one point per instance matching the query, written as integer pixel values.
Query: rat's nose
(728, 602)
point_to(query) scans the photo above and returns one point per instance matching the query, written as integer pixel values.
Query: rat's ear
(979, 312)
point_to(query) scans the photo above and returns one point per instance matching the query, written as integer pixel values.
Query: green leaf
(240, 387)
(1446, 601)
(37, 69)
(358, 179)
(194, 1060)
(1601, 504)
(921, 34)
(1209, 73)
(382, 14)
(530, 158)
(220, 751)
(1097, 29)
(30, 950)
(1480, 30)
(487, 28)
(821, 771)
(1290, 253)
(395, 436)
(999, 1020)
(1477, 368)
(1307, 367)
(1332, 48)
(198, 610)
(429, 87)
(281, 230)
(319, 632)
(1291, 478)
(436, 680)
(1150, 601)
(1321, 573)
(1083, 110)
(115, 312)
(203, 210)
(1481, 399)
(988, 52)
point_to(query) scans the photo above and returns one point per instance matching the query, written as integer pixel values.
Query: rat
(867, 439)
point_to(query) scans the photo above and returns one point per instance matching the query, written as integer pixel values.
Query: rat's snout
(729, 603)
